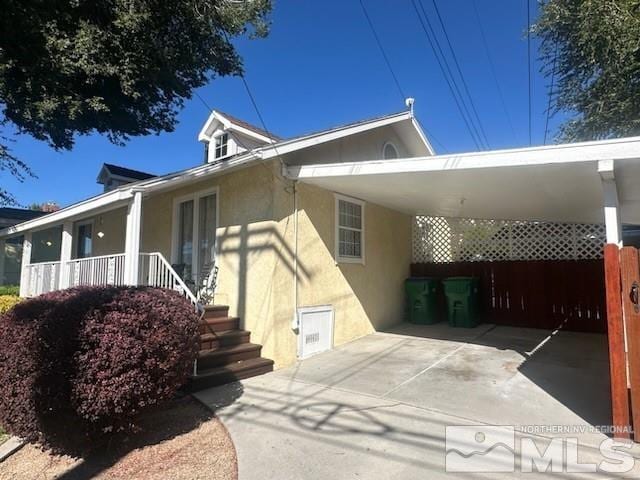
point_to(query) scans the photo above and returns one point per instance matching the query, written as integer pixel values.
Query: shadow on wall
(378, 285)
(247, 242)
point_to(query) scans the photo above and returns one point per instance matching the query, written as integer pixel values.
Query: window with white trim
(349, 230)
(221, 145)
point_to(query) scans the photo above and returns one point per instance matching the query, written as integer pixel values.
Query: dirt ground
(182, 441)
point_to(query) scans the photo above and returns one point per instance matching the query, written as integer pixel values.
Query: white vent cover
(316, 330)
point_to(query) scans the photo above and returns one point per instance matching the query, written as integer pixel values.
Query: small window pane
(349, 229)
(221, 145)
(389, 151)
(185, 237)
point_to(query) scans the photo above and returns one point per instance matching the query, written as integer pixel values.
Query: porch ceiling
(559, 183)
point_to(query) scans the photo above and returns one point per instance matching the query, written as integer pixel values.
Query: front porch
(152, 270)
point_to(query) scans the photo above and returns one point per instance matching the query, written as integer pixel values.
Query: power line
(457, 64)
(388, 63)
(493, 69)
(443, 69)
(529, 61)
(553, 77)
(386, 59)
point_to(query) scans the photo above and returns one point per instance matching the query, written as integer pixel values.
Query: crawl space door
(316, 330)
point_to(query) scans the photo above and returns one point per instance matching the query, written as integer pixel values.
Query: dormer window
(221, 145)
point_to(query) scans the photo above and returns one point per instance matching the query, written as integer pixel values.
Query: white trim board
(618, 149)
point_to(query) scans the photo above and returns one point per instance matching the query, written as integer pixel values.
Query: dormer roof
(223, 121)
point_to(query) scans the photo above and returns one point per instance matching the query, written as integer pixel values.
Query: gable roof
(249, 126)
(172, 180)
(232, 123)
(119, 171)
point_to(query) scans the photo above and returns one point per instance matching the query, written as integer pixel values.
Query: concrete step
(229, 373)
(227, 355)
(219, 324)
(227, 338)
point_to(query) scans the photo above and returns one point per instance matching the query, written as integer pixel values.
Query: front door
(195, 235)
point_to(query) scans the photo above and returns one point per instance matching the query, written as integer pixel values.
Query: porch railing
(102, 270)
(153, 271)
(42, 277)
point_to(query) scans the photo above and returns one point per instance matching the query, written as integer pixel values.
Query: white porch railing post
(25, 281)
(65, 254)
(612, 220)
(132, 240)
(2, 256)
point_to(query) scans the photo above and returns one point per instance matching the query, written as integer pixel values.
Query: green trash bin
(463, 301)
(422, 300)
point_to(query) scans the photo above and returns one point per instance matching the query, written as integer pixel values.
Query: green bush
(13, 290)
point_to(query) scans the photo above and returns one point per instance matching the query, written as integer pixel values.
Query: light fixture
(100, 234)
(48, 243)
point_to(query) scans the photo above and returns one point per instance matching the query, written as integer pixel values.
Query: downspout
(295, 325)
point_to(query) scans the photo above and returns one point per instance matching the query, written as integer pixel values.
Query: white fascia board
(126, 192)
(313, 140)
(421, 134)
(196, 174)
(71, 211)
(251, 133)
(616, 149)
(204, 135)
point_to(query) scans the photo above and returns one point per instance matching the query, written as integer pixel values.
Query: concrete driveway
(377, 407)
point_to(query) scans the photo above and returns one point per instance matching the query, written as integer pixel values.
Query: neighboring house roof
(264, 152)
(13, 216)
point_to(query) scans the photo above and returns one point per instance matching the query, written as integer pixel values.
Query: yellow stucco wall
(113, 225)
(256, 243)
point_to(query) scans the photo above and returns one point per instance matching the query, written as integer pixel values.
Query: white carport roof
(561, 183)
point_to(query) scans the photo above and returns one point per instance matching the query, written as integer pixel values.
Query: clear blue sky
(320, 67)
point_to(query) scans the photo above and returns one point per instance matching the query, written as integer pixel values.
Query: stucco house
(312, 237)
(285, 251)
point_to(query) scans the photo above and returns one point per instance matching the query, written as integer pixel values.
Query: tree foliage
(121, 68)
(592, 47)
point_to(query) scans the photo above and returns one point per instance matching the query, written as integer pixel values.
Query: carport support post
(132, 240)
(612, 221)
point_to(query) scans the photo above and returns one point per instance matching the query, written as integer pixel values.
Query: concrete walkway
(377, 408)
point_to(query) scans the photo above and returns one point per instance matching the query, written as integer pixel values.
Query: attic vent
(389, 151)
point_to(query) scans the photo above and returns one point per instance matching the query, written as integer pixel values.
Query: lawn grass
(3, 435)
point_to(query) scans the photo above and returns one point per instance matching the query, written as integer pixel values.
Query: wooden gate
(535, 293)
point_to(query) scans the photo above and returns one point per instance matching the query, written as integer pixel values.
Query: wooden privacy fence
(534, 294)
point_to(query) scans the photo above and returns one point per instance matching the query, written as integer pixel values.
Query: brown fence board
(630, 276)
(535, 294)
(621, 415)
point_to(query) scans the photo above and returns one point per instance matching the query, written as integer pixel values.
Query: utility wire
(443, 69)
(457, 64)
(386, 59)
(493, 69)
(553, 77)
(529, 61)
(388, 63)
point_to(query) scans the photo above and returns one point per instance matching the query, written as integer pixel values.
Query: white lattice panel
(441, 239)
